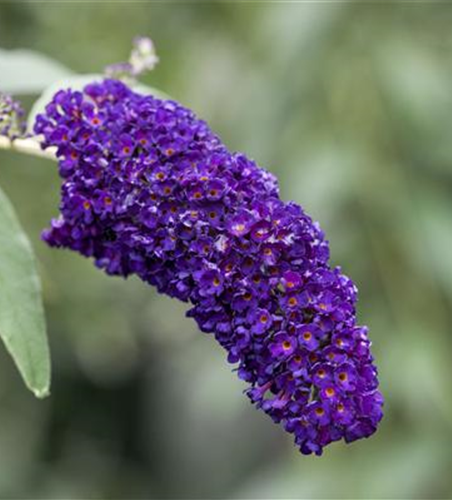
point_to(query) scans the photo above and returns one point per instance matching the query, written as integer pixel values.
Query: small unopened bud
(12, 124)
(142, 58)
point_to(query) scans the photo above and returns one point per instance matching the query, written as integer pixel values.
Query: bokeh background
(350, 104)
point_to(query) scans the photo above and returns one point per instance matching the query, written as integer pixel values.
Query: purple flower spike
(148, 189)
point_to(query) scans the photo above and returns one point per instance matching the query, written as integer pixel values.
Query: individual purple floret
(150, 190)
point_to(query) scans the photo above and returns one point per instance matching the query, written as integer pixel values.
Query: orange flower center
(307, 336)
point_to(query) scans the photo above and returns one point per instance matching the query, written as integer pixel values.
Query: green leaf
(28, 72)
(22, 322)
(77, 82)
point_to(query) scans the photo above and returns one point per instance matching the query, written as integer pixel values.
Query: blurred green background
(350, 104)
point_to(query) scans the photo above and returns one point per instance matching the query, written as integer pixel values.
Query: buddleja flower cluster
(11, 117)
(150, 190)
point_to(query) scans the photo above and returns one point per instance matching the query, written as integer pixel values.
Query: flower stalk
(13, 135)
(30, 146)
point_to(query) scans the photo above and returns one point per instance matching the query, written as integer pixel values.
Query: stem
(30, 146)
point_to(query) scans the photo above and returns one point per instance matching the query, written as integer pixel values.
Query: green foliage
(22, 322)
(28, 72)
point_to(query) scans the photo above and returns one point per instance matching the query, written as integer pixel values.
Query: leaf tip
(41, 393)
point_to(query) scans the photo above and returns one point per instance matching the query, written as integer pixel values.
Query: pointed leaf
(22, 322)
(28, 72)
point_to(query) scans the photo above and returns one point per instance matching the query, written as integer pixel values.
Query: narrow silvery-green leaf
(22, 322)
(28, 72)
(77, 82)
